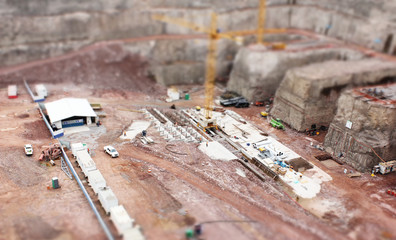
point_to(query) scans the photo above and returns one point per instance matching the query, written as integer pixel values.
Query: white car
(28, 149)
(111, 151)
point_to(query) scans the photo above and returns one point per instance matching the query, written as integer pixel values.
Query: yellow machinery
(261, 27)
(208, 122)
(211, 57)
(261, 21)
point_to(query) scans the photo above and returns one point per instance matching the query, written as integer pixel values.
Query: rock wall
(38, 28)
(373, 129)
(184, 61)
(308, 95)
(257, 74)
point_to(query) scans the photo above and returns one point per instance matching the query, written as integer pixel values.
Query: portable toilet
(41, 90)
(55, 183)
(12, 91)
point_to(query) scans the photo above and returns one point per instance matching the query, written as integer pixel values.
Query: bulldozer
(50, 152)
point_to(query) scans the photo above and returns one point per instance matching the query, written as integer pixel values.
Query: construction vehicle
(96, 106)
(385, 167)
(277, 123)
(50, 152)
(111, 151)
(264, 114)
(259, 103)
(238, 102)
(28, 149)
(242, 104)
(314, 130)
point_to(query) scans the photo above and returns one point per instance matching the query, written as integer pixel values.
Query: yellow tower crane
(214, 35)
(261, 21)
(210, 59)
(261, 27)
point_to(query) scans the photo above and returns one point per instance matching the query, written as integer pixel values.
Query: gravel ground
(181, 190)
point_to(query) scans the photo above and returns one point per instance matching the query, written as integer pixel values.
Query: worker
(124, 133)
(207, 144)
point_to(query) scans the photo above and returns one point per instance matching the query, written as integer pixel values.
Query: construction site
(254, 119)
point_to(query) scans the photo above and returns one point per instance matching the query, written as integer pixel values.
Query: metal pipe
(101, 222)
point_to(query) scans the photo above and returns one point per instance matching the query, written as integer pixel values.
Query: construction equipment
(261, 21)
(314, 130)
(214, 35)
(259, 103)
(96, 106)
(131, 110)
(277, 123)
(264, 114)
(145, 139)
(210, 75)
(385, 167)
(50, 152)
(238, 102)
(261, 27)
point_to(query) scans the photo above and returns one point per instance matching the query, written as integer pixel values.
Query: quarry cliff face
(372, 128)
(38, 29)
(257, 74)
(308, 95)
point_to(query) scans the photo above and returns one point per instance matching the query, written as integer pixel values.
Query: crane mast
(214, 35)
(211, 68)
(261, 22)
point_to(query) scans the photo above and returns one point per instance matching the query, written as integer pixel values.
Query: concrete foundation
(308, 95)
(364, 128)
(257, 72)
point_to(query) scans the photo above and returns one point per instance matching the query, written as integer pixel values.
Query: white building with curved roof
(70, 112)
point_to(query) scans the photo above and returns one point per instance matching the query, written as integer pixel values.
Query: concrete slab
(330, 163)
(71, 130)
(216, 151)
(136, 128)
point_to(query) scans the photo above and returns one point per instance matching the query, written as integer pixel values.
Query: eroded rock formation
(365, 122)
(308, 95)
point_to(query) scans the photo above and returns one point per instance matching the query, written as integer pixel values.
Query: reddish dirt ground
(181, 190)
